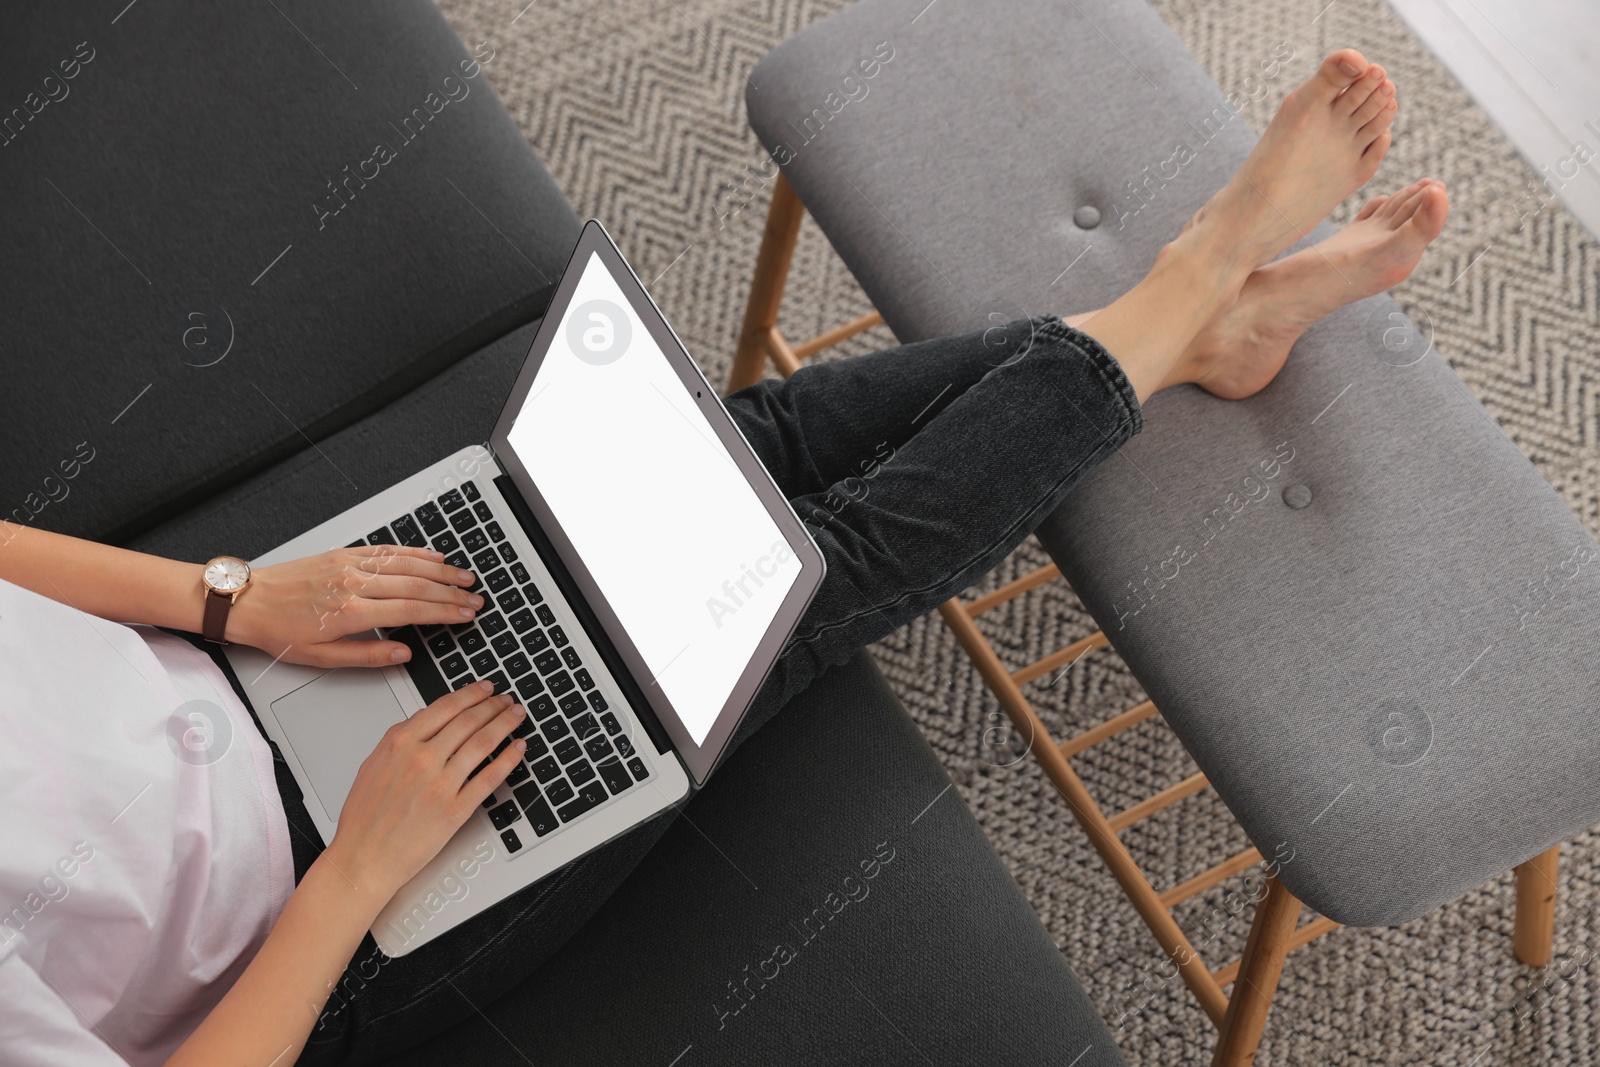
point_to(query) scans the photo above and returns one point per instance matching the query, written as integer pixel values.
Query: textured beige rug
(636, 108)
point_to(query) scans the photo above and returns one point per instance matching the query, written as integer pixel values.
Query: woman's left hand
(303, 610)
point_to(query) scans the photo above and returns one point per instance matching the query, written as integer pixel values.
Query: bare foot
(1325, 142)
(1243, 349)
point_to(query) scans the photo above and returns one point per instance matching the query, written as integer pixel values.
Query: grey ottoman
(1365, 614)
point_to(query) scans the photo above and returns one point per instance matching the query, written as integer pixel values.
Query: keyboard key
(489, 801)
(513, 843)
(559, 682)
(492, 623)
(504, 815)
(567, 750)
(431, 518)
(536, 748)
(494, 531)
(523, 729)
(547, 662)
(616, 776)
(580, 772)
(481, 508)
(458, 559)
(522, 621)
(636, 765)
(554, 728)
(454, 665)
(474, 541)
(494, 576)
(519, 773)
(534, 641)
(509, 554)
(597, 748)
(572, 704)
(588, 797)
(583, 679)
(407, 533)
(505, 644)
(547, 769)
(356, 544)
(527, 795)
(510, 600)
(609, 721)
(445, 542)
(517, 665)
(484, 662)
(381, 536)
(429, 682)
(451, 501)
(502, 684)
(540, 817)
(624, 747)
(529, 687)
(559, 791)
(584, 725)
(519, 573)
(597, 702)
(542, 707)
(463, 521)
(441, 644)
(534, 596)
(470, 490)
(486, 561)
(571, 657)
(548, 617)
(471, 640)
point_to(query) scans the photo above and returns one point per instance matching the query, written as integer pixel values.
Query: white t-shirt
(144, 854)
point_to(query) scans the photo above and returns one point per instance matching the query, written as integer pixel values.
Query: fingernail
(486, 685)
(1374, 73)
(436, 554)
(466, 613)
(519, 744)
(399, 655)
(1388, 90)
(1350, 69)
(464, 577)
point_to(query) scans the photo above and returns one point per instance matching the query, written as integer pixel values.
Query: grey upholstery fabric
(937, 958)
(1363, 611)
(193, 147)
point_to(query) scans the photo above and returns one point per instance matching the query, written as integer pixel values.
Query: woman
(175, 908)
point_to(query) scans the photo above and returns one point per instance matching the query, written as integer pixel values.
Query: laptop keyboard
(578, 754)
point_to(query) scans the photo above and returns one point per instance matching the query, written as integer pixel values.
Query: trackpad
(333, 724)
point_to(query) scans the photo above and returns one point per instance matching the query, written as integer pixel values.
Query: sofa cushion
(1358, 605)
(233, 230)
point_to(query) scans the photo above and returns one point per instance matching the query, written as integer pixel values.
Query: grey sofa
(228, 318)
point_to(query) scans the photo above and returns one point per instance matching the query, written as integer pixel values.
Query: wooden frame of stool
(1276, 928)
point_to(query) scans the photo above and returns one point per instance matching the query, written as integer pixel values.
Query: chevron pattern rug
(636, 108)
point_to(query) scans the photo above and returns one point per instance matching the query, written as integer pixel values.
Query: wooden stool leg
(1275, 921)
(1535, 933)
(766, 287)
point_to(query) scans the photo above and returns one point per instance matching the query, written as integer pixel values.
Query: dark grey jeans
(918, 469)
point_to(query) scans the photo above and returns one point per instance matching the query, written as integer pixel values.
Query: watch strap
(215, 622)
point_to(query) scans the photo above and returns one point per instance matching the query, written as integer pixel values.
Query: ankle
(1213, 278)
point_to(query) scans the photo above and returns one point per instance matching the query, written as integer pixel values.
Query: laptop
(641, 573)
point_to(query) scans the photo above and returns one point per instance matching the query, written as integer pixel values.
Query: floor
(1534, 66)
(636, 108)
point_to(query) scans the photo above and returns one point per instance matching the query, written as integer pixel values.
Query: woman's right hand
(412, 794)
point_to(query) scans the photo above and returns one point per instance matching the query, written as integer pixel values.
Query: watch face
(226, 574)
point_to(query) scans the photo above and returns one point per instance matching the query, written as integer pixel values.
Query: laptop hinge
(569, 590)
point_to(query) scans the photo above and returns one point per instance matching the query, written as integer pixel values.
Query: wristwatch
(225, 578)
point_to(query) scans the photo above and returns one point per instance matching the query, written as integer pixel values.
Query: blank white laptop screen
(678, 543)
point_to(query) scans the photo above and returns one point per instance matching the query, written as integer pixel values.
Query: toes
(1371, 206)
(1374, 152)
(1433, 207)
(1370, 92)
(1379, 123)
(1407, 200)
(1338, 71)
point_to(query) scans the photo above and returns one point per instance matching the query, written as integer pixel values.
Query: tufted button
(1296, 496)
(1087, 217)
